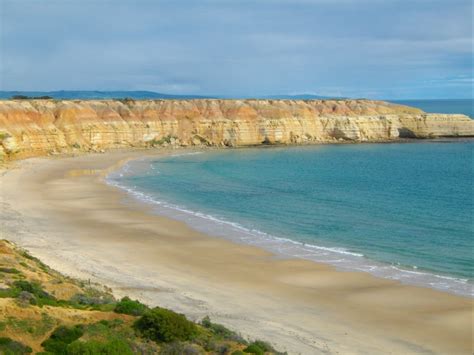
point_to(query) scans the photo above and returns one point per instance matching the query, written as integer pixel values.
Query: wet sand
(62, 211)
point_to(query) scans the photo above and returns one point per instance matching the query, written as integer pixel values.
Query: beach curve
(81, 226)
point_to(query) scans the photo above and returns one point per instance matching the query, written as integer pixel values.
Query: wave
(341, 258)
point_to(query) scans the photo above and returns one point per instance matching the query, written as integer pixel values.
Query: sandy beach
(63, 212)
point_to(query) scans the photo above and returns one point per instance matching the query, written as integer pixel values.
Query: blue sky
(357, 48)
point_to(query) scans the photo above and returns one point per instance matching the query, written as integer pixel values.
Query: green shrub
(62, 336)
(9, 293)
(126, 100)
(264, 346)
(164, 325)
(27, 255)
(93, 347)
(222, 349)
(33, 288)
(12, 347)
(221, 332)
(40, 297)
(178, 348)
(4, 135)
(9, 270)
(259, 347)
(24, 97)
(90, 300)
(254, 349)
(131, 307)
(163, 140)
(21, 286)
(25, 298)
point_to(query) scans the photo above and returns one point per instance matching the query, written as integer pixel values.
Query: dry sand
(63, 212)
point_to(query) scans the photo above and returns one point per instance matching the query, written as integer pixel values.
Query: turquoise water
(464, 106)
(402, 211)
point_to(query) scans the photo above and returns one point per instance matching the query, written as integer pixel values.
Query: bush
(25, 298)
(221, 332)
(12, 347)
(9, 270)
(259, 347)
(254, 349)
(24, 97)
(86, 300)
(128, 306)
(178, 348)
(223, 349)
(126, 100)
(93, 347)
(40, 297)
(33, 288)
(163, 140)
(62, 336)
(164, 325)
(264, 346)
(9, 293)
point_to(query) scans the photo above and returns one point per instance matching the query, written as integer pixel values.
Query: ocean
(401, 210)
(464, 106)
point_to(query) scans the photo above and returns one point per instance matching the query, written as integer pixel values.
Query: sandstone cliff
(38, 127)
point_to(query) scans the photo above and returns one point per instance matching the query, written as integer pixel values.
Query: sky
(396, 49)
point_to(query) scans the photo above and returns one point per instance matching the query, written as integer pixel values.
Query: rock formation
(38, 127)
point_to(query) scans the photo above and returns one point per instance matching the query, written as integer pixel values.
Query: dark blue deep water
(402, 210)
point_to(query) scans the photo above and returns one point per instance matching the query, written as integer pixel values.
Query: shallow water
(401, 211)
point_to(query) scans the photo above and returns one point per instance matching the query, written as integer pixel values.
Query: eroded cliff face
(38, 127)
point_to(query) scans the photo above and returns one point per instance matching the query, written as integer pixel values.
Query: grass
(32, 292)
(33, 327)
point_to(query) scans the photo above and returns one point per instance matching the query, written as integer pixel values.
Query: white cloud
(237, 47)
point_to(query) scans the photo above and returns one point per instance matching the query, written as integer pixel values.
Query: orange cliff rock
(39, 127)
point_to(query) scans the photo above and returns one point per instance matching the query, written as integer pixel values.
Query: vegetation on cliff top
(24, 97)
(44, 312)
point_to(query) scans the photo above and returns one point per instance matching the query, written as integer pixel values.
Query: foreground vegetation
(44, 312)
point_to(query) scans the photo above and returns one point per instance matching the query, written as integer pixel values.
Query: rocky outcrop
(38, 127)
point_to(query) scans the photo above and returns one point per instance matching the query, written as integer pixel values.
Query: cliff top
(264, 107)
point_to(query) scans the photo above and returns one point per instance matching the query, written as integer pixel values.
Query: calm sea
(402, 211)
(464, 106)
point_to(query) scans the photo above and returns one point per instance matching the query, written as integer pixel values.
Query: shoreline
(211, 225)
(70, 220)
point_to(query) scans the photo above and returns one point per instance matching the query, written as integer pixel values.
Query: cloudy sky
(357, 48)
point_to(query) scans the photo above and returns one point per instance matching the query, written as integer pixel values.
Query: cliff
(38, 127)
